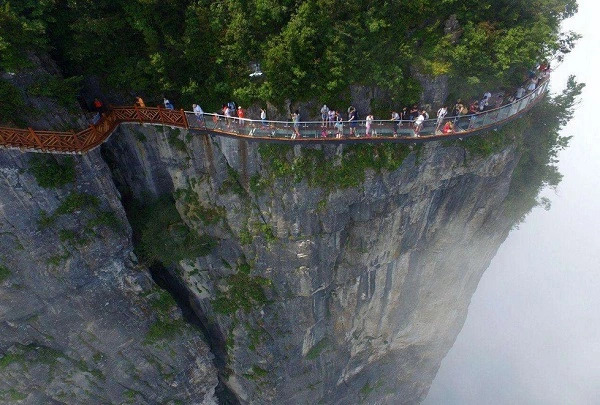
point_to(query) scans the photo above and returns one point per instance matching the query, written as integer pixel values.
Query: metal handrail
(271, 130)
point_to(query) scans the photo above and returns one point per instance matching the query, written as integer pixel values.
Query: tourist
(404, 115)
(448, 128)
(168, 104)
(324, 115)
(331, 117)
(499, 100)
(352, 120)
(199, 114)
(296, 121)
(395, 122)
(419, 123)
(369, 122)
(339, 124)
(227, 114)
(519, 93)
(241, 114)
(458, 107)
(413, 113)
(486, 97)
(263, 117)
(441, 114)
(532, 84)
(98, 105)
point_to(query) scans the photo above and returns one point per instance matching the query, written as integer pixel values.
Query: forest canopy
(307, 50)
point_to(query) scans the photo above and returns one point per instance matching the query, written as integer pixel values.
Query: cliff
(319, 294)
(82, 322)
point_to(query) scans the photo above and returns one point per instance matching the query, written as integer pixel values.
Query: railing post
(137, 114)
(185, 121)
(35, 138)
(78, 146)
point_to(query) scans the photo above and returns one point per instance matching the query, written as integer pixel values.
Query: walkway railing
(267, 131)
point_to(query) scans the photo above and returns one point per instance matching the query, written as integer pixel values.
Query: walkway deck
(257, 131)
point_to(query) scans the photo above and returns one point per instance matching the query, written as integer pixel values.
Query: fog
(532, 335)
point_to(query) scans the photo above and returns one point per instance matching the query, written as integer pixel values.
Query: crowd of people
(409, 117)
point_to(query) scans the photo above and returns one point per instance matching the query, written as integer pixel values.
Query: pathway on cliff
(267, 131)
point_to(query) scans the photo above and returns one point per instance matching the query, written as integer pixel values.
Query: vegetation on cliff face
(541, 142)
(310, 49)
(161, 236)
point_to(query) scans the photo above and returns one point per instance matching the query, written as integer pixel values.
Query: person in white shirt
(441, 114)
(199, 114)
(419, 123)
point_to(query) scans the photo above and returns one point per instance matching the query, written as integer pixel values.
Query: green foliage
(312, 49)
(317, 349)
(52, 172)
(45, 220)
(32, 354)
(56, 260)
(63, 90)
(22, 30)
(242, 291)
(12, 106)
(14, 395)
(4, 273)
(485, 145)
(347, 170)
(256, 372)
(160, 235)
(163, 329)
(174, 140)
(540, 143)
(163, 302)
(75, 202)
(67, 235)
(232, 183)
(193, 208)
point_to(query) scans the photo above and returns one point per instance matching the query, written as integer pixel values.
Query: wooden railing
(257, 130)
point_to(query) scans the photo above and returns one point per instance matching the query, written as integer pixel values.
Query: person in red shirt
(97, 105)
(240, 113)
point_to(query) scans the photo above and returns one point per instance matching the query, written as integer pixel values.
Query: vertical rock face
(81, 321)
(326, 296)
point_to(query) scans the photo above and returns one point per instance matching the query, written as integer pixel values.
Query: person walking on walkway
(419, 123)
(395, 122)
(168, 104)
(199, 114)
(296, 121)
(241, 115)
(352, 120)
(139, 102)
(263, 117)
(324, 115)
(441, 114)
(369, 122)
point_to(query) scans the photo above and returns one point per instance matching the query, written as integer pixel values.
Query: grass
(163, 329)
(174, 140)
(50, 172)
(232, 183)
(56, 260)
(163, 302)
(243, 292)
(256, 372)
(75, 202)
(317, 349)
(334, 172)
(195, 209)
(160, 235)
(5, 273)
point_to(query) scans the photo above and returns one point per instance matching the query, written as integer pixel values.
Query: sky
(532, 335)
